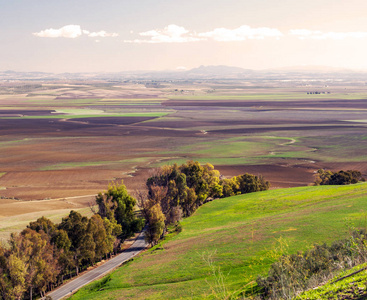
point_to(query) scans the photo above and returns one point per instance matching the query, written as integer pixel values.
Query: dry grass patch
(19, 221)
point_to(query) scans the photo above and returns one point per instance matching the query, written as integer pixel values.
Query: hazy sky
(120, 35)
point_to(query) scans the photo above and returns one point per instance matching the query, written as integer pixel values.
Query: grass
(72, 165)
(271, 96)
(1, 175)
(51, 101)
(19, 222)
(336, 147)
(79, 111)
(269, 149)
(144, 100)
(240, 150)
(244, 148)
(80, 116)
(129, 104)
(242, 235)
(12, 143)
(203, 160)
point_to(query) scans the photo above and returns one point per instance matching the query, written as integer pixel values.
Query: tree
(5, 284)
(324, 177)
(44, 224)
(186, 186)
(249, 183)
(36, 253)
(87, 249)
(17, 272)
(230, 187)
(116, 203)
(76, 227)
(97, 228)
(156, 224)
(189, 204)
(113, 230)
(175, 215)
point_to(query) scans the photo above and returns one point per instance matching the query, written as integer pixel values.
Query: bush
(178, 227)
(295, 273)
(324, 177)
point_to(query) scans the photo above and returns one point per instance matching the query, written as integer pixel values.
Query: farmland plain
(62, 142)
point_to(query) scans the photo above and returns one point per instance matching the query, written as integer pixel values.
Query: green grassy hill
(235, 239)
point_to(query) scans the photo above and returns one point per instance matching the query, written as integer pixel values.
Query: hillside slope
(238, 237)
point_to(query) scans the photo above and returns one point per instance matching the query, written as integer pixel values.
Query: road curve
(72, 286)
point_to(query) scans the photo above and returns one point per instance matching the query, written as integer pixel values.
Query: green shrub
(295, 273)
(324, 177)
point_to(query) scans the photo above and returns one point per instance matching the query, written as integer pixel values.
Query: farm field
(16, 215)
(238, 237)
(62, 140)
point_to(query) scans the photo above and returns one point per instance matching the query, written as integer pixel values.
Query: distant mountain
(202, 72)
(212, 72)
(218, 70)
(310, 69)
(12, 75)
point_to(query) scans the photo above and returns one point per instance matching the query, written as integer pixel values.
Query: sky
(125, 35)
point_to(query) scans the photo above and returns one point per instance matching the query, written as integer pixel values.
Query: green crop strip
(148, 114)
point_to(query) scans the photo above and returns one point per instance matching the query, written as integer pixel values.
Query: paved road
(98, 272)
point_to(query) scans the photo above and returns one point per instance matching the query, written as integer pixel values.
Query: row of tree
(177, 191)
(324, 177)
(44, 253)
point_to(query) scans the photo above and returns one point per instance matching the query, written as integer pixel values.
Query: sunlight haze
(113, 36)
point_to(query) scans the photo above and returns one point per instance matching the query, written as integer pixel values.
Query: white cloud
(319, 35)
(170, 34)
(241, 33)
(102, 33)
(68, 31)
(72, 31)
(178, 34)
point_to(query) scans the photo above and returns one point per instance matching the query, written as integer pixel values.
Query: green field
(72, 165)
(271, 96)
(233, 151)
(267, 149)
(94, 115)
(235, 239)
